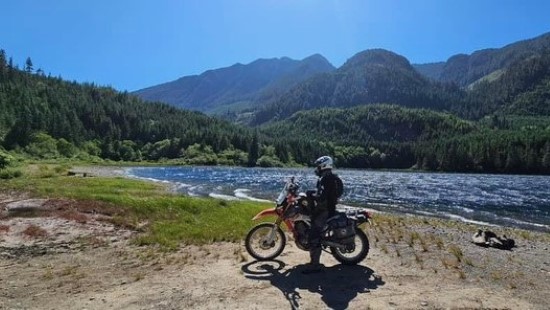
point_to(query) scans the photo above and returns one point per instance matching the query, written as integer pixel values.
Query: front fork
(271, 237)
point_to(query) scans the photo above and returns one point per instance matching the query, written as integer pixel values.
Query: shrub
(10, 173)
(65, 148)
(42, 146)
(5, 159)
(269, 161)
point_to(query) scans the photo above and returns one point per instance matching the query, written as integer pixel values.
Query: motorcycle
(341, 235)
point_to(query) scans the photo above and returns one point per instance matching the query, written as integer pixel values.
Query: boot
(314, 266)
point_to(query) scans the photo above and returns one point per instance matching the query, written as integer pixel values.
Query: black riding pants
(318, 221)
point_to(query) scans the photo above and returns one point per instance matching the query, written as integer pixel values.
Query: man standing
(329, 189)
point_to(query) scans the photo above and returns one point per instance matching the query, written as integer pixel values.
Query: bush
(6, 174)
(42, 146)
(269, 161)
(65, 148)
(5, 159)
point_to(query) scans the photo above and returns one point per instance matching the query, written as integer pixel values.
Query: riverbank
(82, 253)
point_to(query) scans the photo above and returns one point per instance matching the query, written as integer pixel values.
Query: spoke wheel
(353, 254)
(258, 244)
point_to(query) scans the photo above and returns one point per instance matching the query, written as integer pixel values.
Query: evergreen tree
(254, 151)
(546, 158)
(28, 65)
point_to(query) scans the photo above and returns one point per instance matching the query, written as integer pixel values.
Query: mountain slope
(372, 76)
(522, 89)
(464, 69)
(377, 123)
(239, 85)
(430, 70)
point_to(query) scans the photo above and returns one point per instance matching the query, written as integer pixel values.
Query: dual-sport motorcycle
(341, 234)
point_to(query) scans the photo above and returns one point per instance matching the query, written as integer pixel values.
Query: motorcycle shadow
(337, 285)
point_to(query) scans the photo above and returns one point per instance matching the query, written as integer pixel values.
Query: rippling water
(518, 201)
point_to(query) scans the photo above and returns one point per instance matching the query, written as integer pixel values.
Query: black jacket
(329, 189)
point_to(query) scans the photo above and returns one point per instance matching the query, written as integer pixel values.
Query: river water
(508, 200)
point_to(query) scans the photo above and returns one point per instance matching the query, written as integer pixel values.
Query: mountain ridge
(239, 83)
(464, 69)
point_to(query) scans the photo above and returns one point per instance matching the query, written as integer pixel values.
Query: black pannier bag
(341, 227)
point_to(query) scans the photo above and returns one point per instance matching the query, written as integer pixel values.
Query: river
(507, 200)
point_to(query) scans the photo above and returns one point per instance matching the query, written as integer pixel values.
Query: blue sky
(131, 44)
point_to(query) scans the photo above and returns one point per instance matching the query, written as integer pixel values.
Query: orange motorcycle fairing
(266, 213)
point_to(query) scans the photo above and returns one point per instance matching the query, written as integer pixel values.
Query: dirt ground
(84, 262)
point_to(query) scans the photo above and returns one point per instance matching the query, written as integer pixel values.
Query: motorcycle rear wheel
(257, 245)
(360, 251)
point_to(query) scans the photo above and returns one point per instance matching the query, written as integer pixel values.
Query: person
(329, 189)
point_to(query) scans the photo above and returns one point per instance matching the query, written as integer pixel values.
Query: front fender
(265, 213)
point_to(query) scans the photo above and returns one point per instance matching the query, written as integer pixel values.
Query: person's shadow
(337, 285)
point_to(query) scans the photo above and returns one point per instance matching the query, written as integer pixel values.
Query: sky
(133, 44)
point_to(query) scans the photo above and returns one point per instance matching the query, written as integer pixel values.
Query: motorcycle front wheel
(265, 241)
(354, 254)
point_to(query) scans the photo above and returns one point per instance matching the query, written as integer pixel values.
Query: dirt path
(213, 277)
(91, 264)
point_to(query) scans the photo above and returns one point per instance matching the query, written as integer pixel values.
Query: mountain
(237, 87)
(522, 89)
(430, 70)
(464, 69)
(372, 76)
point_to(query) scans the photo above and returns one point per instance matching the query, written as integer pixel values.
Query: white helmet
(323, 163)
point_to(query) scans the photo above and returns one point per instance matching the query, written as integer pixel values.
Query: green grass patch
(169, 219)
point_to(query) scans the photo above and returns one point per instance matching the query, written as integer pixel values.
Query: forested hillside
(523, 89)
(372, 76)
(47, 117)
(386, 136)
(463, 69)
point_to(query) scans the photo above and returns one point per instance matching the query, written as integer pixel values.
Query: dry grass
(35, 232)
(424, 245)
(48, 274)
(93, 241)
(461, 274)
(449, 263)
(439, 243)
(138, 276)
(75, 216)
(457, 252)
(69, 271)
(413, 236)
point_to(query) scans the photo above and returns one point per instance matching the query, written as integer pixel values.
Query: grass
(457, 252)
(171, 219)
(10, 173)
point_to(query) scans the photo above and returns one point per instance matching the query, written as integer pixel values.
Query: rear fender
(265, 213)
